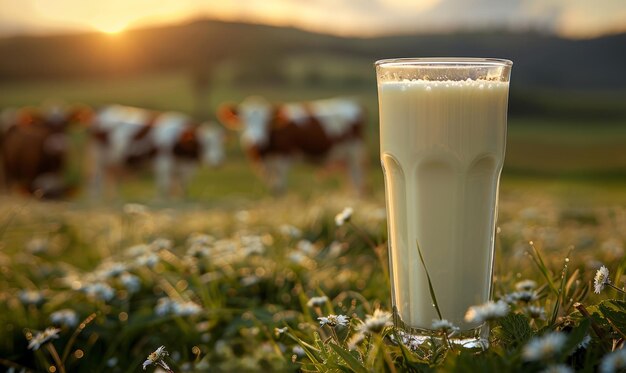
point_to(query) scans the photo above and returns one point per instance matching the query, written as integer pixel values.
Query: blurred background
(242, 261)
(567, 124)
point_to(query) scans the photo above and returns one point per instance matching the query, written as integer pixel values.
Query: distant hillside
(540, 60)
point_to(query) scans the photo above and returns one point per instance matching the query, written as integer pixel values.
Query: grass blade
(430, 284)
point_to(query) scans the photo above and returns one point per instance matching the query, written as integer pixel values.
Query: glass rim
(443, 62)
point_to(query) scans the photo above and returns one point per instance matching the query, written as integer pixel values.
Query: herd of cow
(35, 143)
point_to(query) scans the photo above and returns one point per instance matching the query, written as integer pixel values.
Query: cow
(125, 137)
(34, 146)
(273, 135)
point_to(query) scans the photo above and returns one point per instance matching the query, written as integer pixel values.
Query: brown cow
(33, 148)
(272, 135)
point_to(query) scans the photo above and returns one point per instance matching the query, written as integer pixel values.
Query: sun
(112, 27)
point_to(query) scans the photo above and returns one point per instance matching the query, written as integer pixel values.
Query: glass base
(477, 338)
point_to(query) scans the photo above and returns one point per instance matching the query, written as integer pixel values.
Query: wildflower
(161, 244)
(100, 291)
(584, 343)
(355, 340)
(601, 279)
(111, 269)
(33, 297)
(112, 362)
(613, 362)
(42, 337)
(334, 320)
(299, 351)
(166, 306)
(252, 244)
(526, 285)
(38, 245)
(317, 301)
(200, 239)
(544, 347)
(66, 317)
(290, 231)
(306, 247)
(558, 368)
(148, 260)
(522, 296)
(135, 209)
(536, 312)
(344, 216)
(444, 326)
(157, 358)
(138, 250)
(130, 282)
(377, 322)
(280, 331)
(250, 280)
(486, 312)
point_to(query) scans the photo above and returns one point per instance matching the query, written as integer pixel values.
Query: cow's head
(253, 117)
(211, 139)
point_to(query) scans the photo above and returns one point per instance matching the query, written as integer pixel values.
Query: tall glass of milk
(442, 141)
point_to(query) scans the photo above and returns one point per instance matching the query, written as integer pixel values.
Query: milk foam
(442, 150)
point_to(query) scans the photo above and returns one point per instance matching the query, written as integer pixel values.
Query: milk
(442, 149)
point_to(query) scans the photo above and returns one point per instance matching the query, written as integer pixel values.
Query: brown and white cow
(328, 130)
(34, 145)
(125, 137)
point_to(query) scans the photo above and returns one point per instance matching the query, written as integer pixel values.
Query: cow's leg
(356, 158)
(96, 171)
(186, 171)
(277, 169)
(164, 171)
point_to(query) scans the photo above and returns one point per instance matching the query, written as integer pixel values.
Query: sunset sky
(570, 18)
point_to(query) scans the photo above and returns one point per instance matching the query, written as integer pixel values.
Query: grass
(240, 270)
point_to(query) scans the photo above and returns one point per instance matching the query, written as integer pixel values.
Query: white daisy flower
(487, 312)
(344, 216)
(601, 280)
(280, 331)
(66, 317)
(444, 326)
(317, 301)
(544, 347)
(38, 245)
(156, 358)
(42, 337)
(355, 340)
(131, 282)
(99, 290)
(299, 351)
(584, 343)
(613, 362)
(147, 260)
(334, 320)
(186, 308)
(135, 209)
(377, 322)
(30, 296)
(161, 244)
(523, 296)
(526, 285)
(536, 312)
(290, 231)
